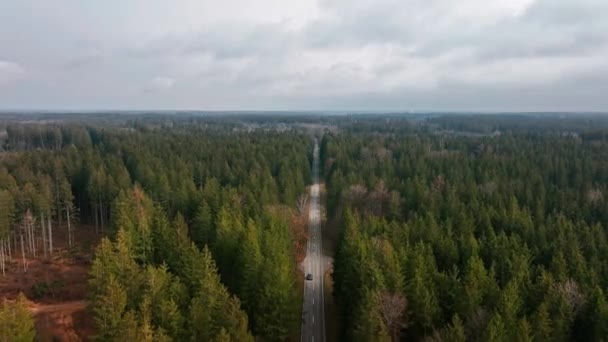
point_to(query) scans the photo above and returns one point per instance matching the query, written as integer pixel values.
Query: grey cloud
(160, 83)
(383, 54)
(9, 71)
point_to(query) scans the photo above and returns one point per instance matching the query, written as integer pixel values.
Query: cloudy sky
(304, 55)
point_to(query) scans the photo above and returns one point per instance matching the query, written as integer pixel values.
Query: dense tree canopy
(456, 228)
(198, 244)
(484, 236)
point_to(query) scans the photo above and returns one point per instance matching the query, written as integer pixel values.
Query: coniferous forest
(471, 228)
(197, 243)
(445, 227)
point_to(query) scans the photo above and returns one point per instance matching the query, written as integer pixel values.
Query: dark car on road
(309, 276)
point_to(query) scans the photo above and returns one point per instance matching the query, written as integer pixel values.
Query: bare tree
(28, 228)
(26, 224)
(302, 203)
(377, 198)
(50, 229)
(43, 233)
(2, 256)
(571, 294)
(594, 195)
(392, 307)
(67, 214)
(66, 199)
(6, 215)
(355, 194)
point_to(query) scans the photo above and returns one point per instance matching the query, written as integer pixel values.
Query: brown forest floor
(56, 286)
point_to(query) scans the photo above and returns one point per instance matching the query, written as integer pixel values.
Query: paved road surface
(313, 316)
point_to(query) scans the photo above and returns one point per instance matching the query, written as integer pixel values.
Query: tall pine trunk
(95, 212)
(32, 236)
(101, 215)
(2, 256)
(67, 213)
(23, 253)
(50, 228)
(24, 228)
(58, 202)
(43, 234)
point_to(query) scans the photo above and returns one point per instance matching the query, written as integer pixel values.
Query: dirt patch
(68, 321)
(49, 281)
(56, 286)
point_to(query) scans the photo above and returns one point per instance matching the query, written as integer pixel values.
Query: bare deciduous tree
(392, 308)
(594, 195)
(570, 292)
(27, 225)
(377, 198)
(355, 194)
(302, 203)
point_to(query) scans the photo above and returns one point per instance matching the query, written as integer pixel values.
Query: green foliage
(110, 305)
(43, 289)
(490, 229)
(146, 295)
(484, 234)
(455, 331)
(16, 322)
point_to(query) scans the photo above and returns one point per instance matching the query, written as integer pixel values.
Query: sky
(393, 55)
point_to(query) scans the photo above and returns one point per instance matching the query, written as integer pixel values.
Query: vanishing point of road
(313, 315)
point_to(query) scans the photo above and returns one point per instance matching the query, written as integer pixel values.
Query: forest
(447, 234)
(198, 240)
(449, 227)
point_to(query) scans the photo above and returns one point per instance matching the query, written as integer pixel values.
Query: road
(313, 315)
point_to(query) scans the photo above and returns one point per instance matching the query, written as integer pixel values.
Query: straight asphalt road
(313, 316)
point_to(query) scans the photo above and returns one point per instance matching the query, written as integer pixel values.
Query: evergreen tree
(16, 322)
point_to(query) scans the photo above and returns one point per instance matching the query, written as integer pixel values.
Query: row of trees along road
(198, 244)
(469, 237)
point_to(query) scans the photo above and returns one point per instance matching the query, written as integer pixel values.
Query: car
(309, 276)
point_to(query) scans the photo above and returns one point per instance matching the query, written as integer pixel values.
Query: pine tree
(599, 314)
(423, 297)
(16, 322)
(109, 306)
(524, 331)
(496, 330)
(251, 260)
(542, 323)
(455, 331)
(67, 206)
(213, 308)
(203, 231)
(276, 312)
